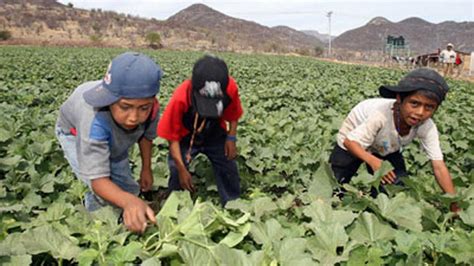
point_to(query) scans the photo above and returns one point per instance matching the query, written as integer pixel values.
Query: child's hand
(455, 207)
(185, 181)
(375, 163)
(146, 180)
(389, 178)
(230, 150)
(136, 214)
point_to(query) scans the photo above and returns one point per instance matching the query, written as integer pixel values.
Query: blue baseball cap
(130, 75)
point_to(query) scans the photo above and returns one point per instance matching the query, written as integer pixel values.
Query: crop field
(287, 214)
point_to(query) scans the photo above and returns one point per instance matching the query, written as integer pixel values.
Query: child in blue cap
(376, 130)
(98, 124)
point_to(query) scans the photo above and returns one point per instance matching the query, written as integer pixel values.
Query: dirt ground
(458, 74)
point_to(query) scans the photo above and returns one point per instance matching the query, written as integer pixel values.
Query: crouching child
(98, 124)
(195, 121)
(376, 130)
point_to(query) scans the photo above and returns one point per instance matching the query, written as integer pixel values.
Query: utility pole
(329, 17)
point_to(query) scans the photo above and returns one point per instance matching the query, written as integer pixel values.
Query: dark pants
(345, 165)
(225, 171)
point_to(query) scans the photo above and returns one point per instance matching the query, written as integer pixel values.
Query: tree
(154, 40)
(318, 51)
(96, 28)
(71, 5)
(96, 39)
(5, 35)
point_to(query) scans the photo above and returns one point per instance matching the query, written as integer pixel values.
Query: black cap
(418, 79)
(209, 83)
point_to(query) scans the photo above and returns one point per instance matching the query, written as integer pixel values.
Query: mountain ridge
(420, 35)
(199, 27)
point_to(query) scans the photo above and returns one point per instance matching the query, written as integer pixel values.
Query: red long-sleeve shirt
(171, 127)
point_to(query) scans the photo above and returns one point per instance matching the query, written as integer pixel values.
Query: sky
(300, 14)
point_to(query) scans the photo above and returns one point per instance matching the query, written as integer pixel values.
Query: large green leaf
(229, 256)
(323, 183)
(153, 261)
(170, 208)
(7, 162)
(12, 208)
(467, 216)
(16, 260)
(430, 215)
(375, 179)
(12, 245)
(234, 238)
(87, 257)
(293, 252)
(401, 210)
(461, 247)
(409, 243)
(321, 212)
(374, 257)
(122, 254)
(363, 255)
(262, 206)
(369, 229)
(108, 215)
(5, 135)
(330, 235)
(167, 250)
(265, 233)
(46, 239)
(197, 255)
(326, 242)
(192, 225)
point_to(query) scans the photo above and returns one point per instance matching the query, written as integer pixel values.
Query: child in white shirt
(376, 129)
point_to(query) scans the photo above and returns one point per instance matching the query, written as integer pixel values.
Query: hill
(321, 36)
(422, 36)
(197, 27)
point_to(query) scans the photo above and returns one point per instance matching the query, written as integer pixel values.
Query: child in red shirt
(195, 122)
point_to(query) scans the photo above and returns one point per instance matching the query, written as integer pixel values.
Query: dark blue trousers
(225, 171)
(345, 165)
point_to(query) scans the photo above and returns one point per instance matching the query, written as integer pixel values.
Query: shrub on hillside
(5, 35)
(154, 40)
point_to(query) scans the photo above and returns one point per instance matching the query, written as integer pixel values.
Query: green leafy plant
(287, 214)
